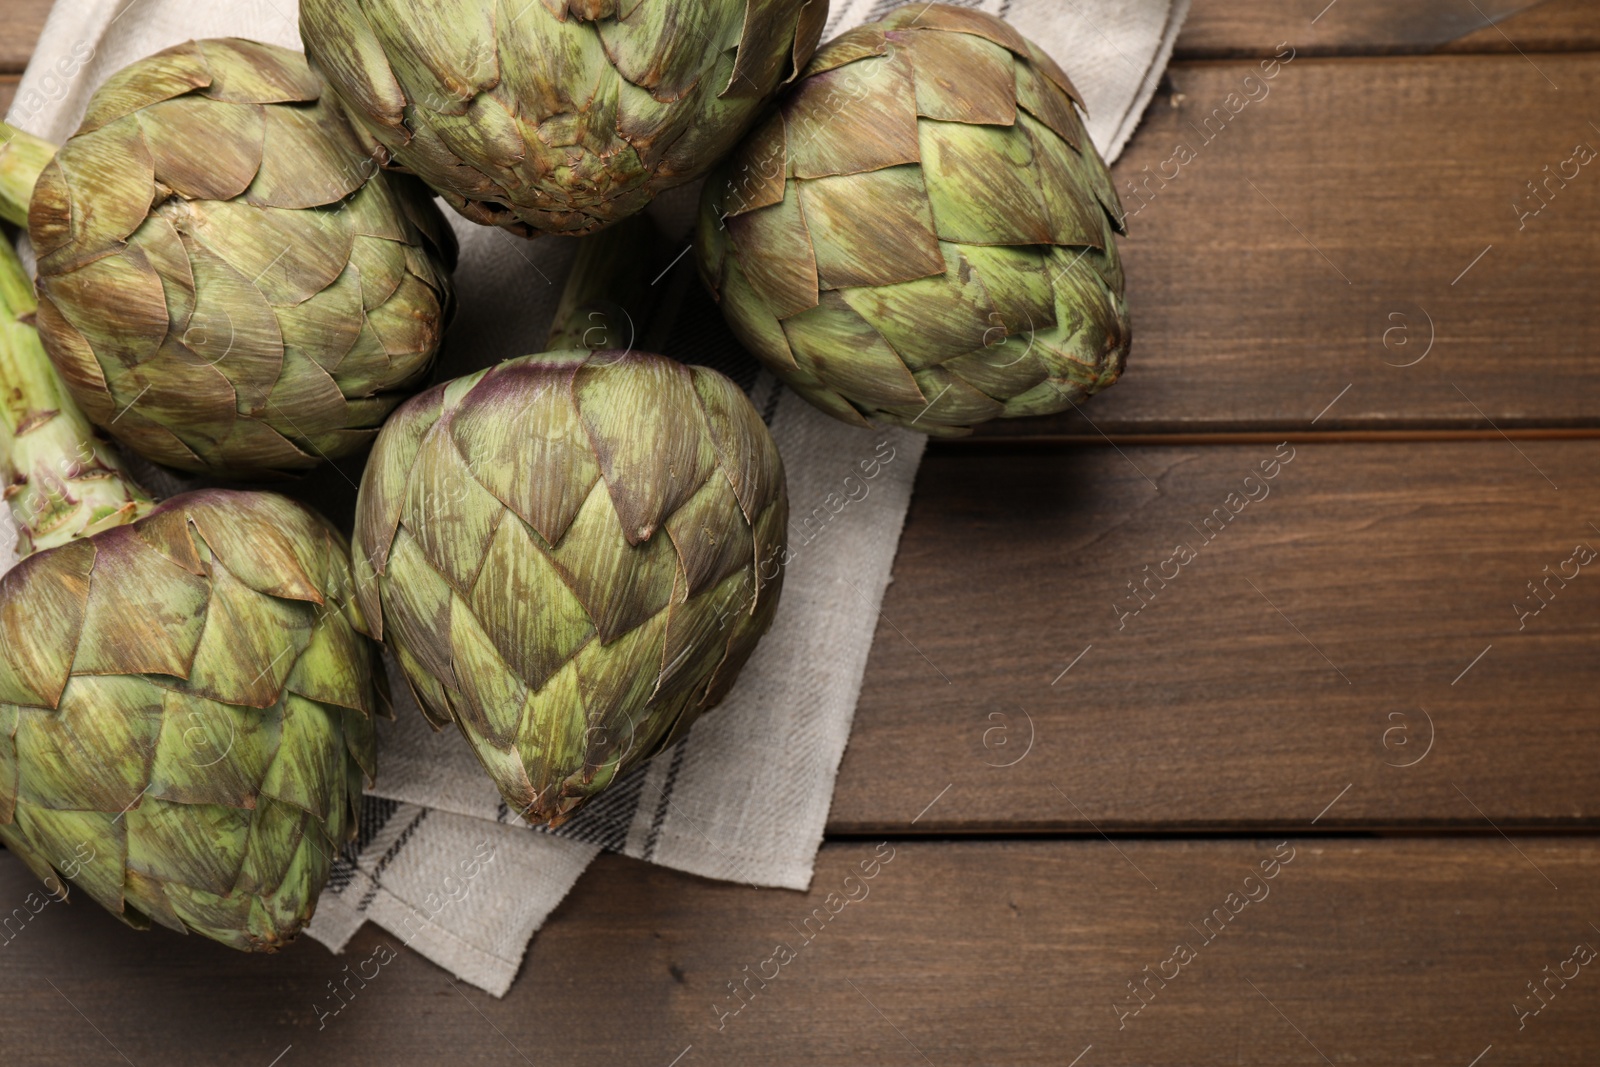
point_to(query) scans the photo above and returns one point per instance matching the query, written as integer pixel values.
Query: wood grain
(1301, 650)
(1311, 243)
(1224, 28)
(20, 24)
(8, 92)
(1382, 951)
(1213, 710)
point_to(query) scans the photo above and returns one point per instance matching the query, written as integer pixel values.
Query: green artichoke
(923, 234)
(185, 691)
(227, 280)
(557, 116)
(572, 554)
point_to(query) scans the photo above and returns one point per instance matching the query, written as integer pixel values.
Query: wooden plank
(1304, 648)
(1314, 243)
(1222, 28)
(1226, 28)
(19, 32)
(1383, 951)
(8, 92)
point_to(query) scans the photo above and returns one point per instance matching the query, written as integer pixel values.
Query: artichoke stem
(23, 158)
(60, 480)
(607, 298)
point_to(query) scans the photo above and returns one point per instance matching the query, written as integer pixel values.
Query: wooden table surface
(1085, 749)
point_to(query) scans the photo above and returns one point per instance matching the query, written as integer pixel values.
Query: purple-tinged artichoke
(923, 233)
(557, 116)
(573, 554)
(228, 282)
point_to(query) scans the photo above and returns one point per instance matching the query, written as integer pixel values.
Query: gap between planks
(1254, 437)
(1581, 829)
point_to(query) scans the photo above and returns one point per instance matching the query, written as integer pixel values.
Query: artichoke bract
(228, 281)
(573, 554)
(185, 689)
(923, 233)
(557, 116)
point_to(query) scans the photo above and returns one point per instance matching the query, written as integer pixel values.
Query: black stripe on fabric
(388, 856)
(770, 412)
(375, 814)
(342, 871)
(605, 820)
(663, 801)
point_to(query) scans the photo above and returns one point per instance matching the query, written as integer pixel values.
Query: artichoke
(185, 693)
(557, 116)
(923, 233)
(227, 280)
(572, 554)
